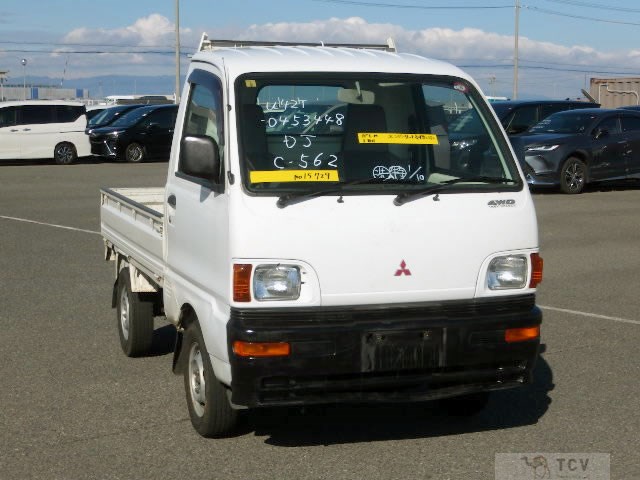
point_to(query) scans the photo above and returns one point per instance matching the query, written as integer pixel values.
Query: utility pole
(24, 78)
(177, 51)
(515, 52)
(492, 83)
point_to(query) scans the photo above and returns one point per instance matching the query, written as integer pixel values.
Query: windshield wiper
(293, 198)
(403, 198)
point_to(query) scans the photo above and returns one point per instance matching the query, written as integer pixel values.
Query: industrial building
(13, 91)
(615, 92)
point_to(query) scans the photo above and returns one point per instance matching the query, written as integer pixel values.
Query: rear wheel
(573, 176)
(135, 318)
(134, 153)
(209, 407)
(65, 153)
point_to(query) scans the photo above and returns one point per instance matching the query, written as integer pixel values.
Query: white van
(35, 129)
(326, 236)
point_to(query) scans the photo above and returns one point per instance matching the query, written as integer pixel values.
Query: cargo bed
(131, 222)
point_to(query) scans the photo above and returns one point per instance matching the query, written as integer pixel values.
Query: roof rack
(211, 44)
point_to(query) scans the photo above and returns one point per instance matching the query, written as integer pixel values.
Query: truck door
(197, 217)
(610, 150)
(631, 130)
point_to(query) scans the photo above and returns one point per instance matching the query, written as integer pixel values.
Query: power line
(419, 7)
(579, 17)
(554, 69)
(595, 5)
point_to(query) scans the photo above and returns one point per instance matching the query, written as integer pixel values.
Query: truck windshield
(349, 133)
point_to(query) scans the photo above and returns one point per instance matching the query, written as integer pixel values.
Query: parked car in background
(140, 134)
(94, 110)
(517, 116)
(572, 148)
(35, 129)
(107, 116)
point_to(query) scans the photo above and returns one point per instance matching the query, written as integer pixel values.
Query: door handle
(26, 129)
(13, 130)
(171, 200)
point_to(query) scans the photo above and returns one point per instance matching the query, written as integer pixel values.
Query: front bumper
(383, 353)
(539, 171)
(102, 148)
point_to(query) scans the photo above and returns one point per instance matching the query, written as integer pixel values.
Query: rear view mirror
(357, 96)
(199, 157)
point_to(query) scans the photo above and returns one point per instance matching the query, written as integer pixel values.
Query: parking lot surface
(74, 407)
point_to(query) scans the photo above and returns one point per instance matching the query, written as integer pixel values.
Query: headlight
(276, 282)
(542, 148)
(507, 272)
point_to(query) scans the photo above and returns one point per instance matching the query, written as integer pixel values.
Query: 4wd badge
(510, 202)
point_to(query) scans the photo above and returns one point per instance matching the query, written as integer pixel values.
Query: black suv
(517, 116)
(140, 134)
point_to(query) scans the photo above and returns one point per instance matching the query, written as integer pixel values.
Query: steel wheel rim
(197, 384)
(124, 314)
(65, 154)
(574, 176)
(134, 153)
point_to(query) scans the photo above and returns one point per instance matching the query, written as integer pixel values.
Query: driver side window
(611, 125)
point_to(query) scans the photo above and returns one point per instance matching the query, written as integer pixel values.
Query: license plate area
(385, 351)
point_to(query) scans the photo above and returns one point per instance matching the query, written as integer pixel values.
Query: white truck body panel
(349, 251)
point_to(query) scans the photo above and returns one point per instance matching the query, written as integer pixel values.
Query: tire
(134, 319)
(573, 176)
(209, 408)
(134, 153)
(466, 405)
(65, 153)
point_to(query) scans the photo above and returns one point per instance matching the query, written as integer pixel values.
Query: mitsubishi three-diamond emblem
(403, 270)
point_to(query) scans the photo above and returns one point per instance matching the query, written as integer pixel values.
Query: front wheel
(209, 408)
(65, 153)
(134, 153)
(573, 176)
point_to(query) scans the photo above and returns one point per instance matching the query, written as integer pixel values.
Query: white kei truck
(340, 223)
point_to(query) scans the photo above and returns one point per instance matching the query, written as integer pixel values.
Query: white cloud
(152, 31)
(130, 51)
(541, 62)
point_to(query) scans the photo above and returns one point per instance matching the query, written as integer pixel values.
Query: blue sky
(561, 45)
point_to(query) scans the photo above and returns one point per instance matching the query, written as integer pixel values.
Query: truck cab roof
(303, 58)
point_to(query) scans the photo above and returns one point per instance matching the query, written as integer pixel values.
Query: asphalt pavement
(74, 407)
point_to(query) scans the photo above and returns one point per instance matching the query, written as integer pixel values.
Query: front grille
(449, 310)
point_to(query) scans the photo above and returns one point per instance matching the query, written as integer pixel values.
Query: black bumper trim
(383, 353)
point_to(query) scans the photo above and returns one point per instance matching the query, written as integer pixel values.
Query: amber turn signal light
(536, 270)
(261, 349)
(241, 282)
(512, 335)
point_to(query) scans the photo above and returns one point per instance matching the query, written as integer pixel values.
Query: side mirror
(600, 133)
(199, 157)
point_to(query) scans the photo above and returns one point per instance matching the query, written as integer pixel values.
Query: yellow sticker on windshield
(269, 176)
(399, 138)
(250, 83)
